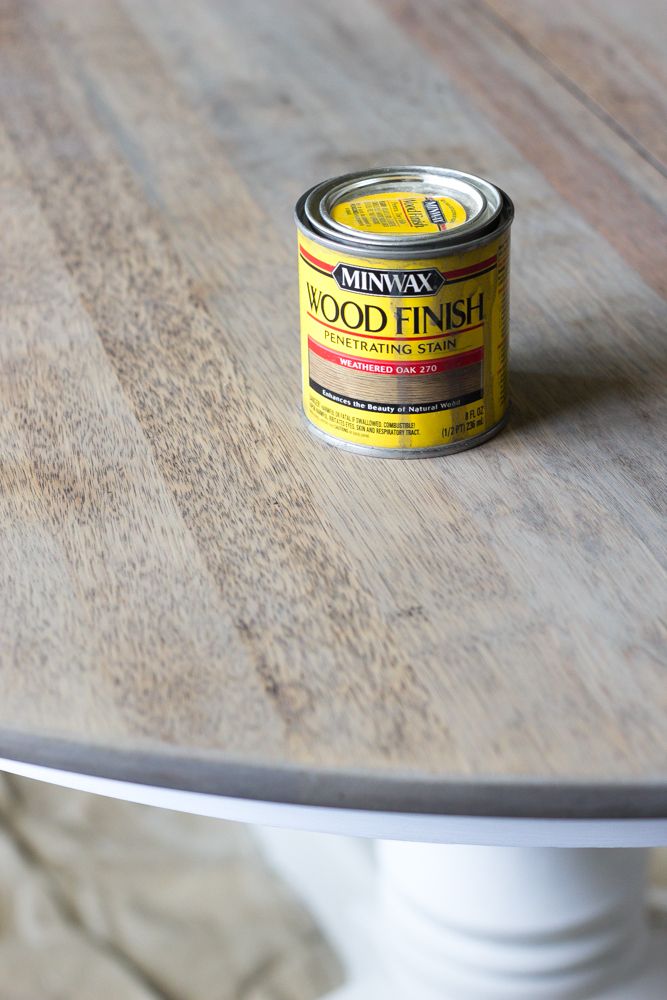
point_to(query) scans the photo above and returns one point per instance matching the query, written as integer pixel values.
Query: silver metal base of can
(435, 451)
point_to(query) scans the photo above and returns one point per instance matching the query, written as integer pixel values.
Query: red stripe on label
(458, 273)
(315, 261)
(423, 366)
(473, 269)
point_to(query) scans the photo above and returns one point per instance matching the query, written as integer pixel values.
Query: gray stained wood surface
(195, 591)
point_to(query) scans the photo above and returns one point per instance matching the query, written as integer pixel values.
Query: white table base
(433, 922)
(561, 917)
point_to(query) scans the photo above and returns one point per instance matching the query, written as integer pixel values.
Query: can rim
(483, 202)
(500, 224)
(494, 214)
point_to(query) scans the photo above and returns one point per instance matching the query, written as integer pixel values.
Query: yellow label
(400, 212)
(404, 354)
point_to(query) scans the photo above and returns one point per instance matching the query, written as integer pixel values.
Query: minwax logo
(373, 281)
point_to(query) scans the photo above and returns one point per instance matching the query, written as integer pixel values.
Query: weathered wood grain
(188, 575)
(613, 54)
(598, 176)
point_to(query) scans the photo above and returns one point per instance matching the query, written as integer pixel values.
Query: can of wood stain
(404, 299)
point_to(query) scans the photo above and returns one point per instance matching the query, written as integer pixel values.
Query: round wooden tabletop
(196, 593)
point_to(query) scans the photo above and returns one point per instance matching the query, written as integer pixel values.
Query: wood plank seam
(557, 74)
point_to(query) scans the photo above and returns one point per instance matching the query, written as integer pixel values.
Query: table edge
(359, 823)
(288, 784)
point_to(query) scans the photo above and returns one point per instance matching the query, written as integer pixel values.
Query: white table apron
(511, 915)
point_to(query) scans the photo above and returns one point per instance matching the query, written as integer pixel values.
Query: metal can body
(404, 300)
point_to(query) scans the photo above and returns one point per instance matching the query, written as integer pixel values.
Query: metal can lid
(408, 208)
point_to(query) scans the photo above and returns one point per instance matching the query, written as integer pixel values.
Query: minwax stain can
(404, 298)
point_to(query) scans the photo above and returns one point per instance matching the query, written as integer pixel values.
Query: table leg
(432, 922)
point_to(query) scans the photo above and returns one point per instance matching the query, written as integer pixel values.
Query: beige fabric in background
(104, 899)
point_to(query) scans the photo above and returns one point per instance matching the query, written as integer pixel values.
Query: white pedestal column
(489, 923)
(482, 923)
